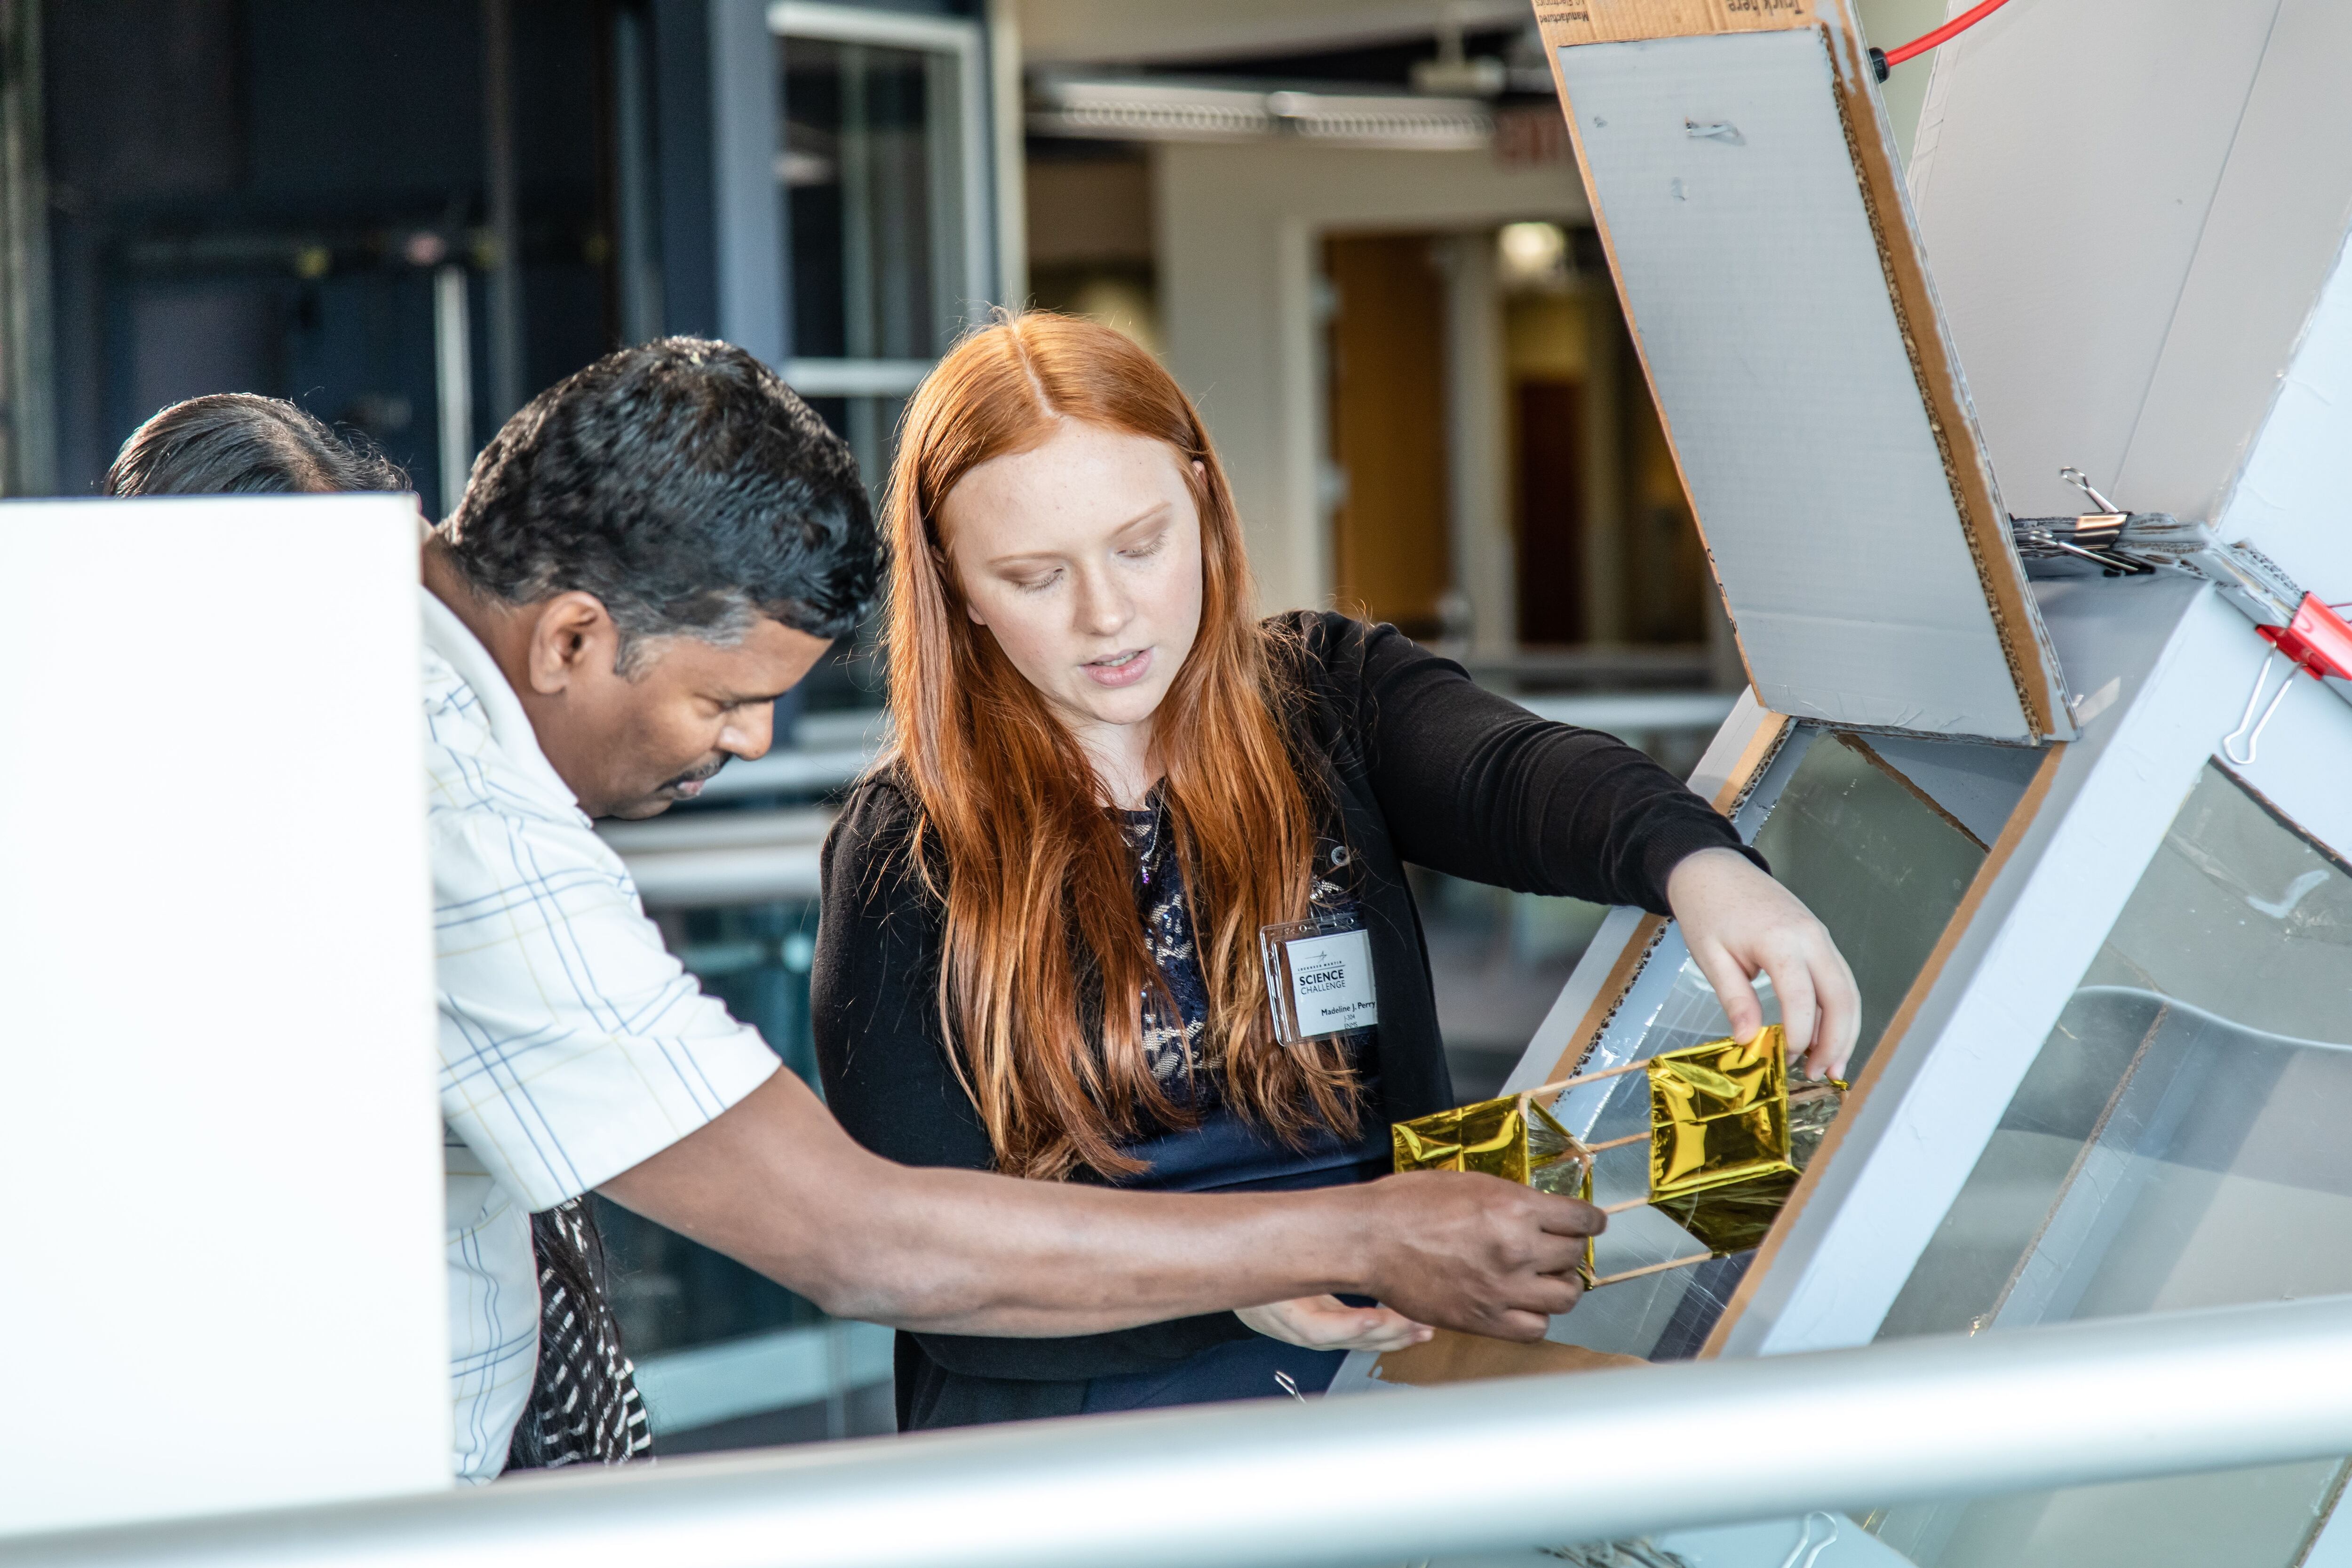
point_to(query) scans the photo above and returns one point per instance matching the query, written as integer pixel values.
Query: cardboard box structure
(2174, 327)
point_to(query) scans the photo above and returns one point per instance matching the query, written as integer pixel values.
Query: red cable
(1949, 30)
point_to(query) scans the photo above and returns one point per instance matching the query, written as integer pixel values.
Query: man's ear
(573, 636)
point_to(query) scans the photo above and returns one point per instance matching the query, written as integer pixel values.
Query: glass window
(872, 171)
(2178, 1143)
(876, 153)
(870, 425)
(1876, 838)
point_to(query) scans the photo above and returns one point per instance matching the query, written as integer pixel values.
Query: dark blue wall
(236, 181)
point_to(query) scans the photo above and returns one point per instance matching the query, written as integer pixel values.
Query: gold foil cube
(1498, 1138)
(1720, 1156)
(1512, 1138)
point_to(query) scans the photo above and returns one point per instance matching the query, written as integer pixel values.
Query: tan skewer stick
(1653, 1268)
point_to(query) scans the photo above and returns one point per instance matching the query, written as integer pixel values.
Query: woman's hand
(1739, 921)
(1327, 1323)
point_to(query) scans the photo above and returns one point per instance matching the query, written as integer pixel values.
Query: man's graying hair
(239, 443)
(686, 487)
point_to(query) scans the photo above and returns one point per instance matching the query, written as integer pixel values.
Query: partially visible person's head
(1065, 555)
(685, 537)
(236, 443)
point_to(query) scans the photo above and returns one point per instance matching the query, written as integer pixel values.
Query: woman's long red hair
(1046, 966)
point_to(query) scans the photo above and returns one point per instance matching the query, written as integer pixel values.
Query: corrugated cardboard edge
(1623, 21)
(1996, 860)
(2025, 644)
(1455, 1357)
(1936, 364)
(1869, 754)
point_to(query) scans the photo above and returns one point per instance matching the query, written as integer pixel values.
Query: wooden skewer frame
(1797, 1086)
(1589, 1149)
(1586, 1151)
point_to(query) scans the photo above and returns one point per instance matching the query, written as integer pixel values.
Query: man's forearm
(775, 1183)
(958, 1252)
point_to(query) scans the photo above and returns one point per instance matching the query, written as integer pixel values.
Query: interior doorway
(1548, 431)
(1606, 552)
(1602, 553)
(1392, 556)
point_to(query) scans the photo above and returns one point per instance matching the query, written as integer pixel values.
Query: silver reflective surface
(1860, 829)
(2178, 1143)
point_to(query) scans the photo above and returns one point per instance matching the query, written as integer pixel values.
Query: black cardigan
(1424, 766)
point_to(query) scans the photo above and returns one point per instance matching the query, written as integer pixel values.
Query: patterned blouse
(1173, 1045)
(1222, 1151)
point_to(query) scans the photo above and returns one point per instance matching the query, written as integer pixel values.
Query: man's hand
(1739, 922)
(1475, 1253)
(1463, 1251)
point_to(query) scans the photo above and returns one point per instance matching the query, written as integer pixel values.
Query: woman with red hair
(1055, 911)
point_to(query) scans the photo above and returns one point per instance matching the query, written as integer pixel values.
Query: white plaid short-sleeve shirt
(573, 1044)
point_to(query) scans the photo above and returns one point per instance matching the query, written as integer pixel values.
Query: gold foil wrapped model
(1727, 1140)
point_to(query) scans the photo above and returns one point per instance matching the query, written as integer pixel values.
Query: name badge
(1318, 977)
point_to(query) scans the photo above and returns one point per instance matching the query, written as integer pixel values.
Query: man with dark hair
(236, 443)
(648, 555)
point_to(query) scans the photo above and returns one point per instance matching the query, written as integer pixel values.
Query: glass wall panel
(670, 1293)
(1880, 862)
(2177, 1143)
(1884, 864)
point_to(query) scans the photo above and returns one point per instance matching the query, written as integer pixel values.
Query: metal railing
(1373, 1479)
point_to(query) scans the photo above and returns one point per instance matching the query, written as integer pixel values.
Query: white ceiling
(1124, 31)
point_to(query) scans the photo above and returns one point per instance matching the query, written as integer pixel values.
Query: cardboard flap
(1742, 178)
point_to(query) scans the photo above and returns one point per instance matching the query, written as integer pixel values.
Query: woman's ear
(952, 590)
(1200, 470)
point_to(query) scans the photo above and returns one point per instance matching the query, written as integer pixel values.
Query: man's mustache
(698, 773)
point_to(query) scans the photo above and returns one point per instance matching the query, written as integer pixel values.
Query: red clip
(2317, 639)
